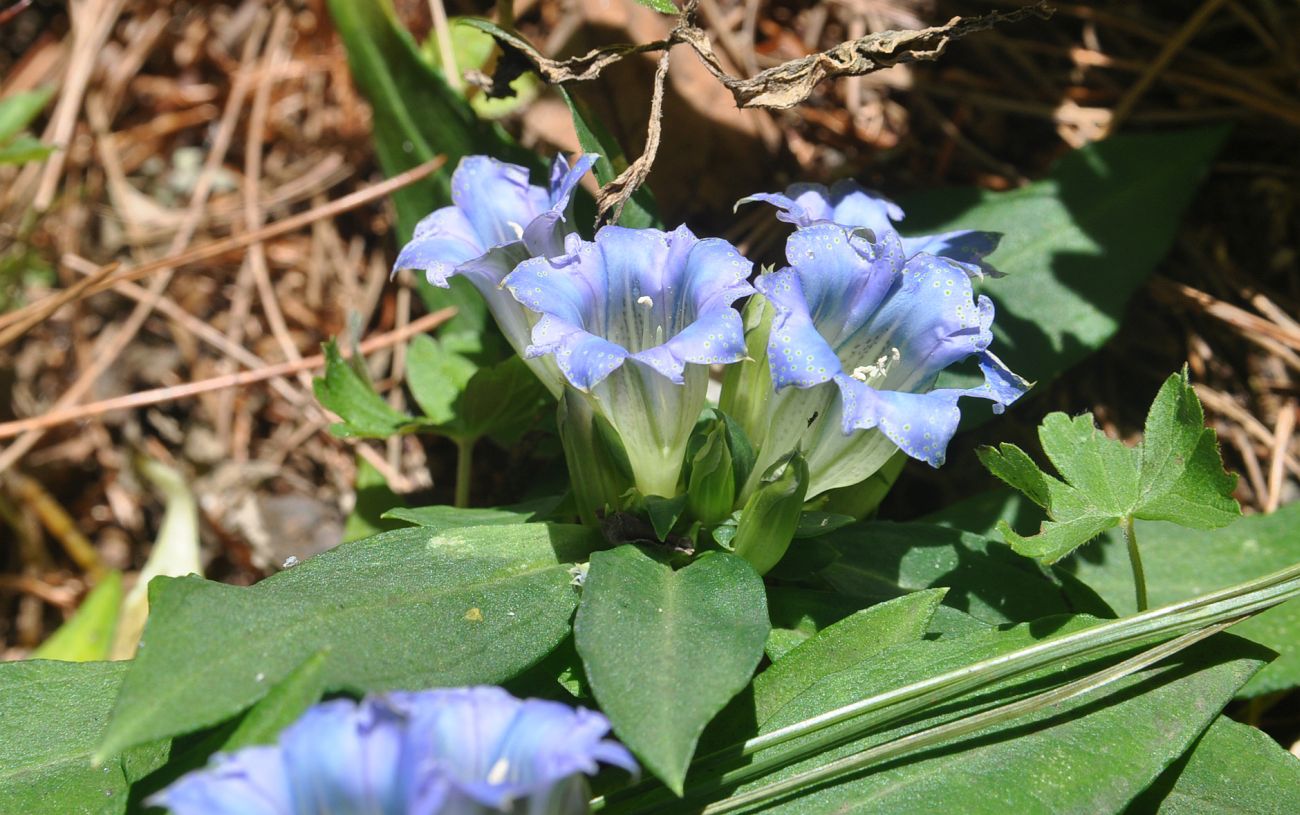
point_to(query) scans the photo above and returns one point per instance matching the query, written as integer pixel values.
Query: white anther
(519, 230)
(644, 300)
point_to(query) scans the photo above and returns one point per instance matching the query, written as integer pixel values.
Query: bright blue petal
(343, 757)
(799, 356)
(851, 205)
(968, 247)
(496, 198)
(920, 424)
(585, 359)
(544, 236)
(250, 782)
(564, 180)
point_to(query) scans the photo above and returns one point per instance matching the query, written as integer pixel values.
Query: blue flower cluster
(463, 751)
(862, 322)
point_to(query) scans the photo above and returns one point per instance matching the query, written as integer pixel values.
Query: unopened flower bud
(712, 487)
(771, 515)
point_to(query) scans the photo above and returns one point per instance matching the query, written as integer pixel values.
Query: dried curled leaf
(790, 83)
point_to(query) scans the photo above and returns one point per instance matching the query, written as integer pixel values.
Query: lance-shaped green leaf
(1175, 475)
(665, 650)
(406, 609)
(51, 717)
(89, 634)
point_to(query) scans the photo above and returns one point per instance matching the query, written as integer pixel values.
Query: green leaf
(1091, 754)
(88, 636)
(19, 109)
(984, 578)
(437, 377)
(664, 651)
(845, 644)
(353, 398)
(798, 614)
(282, 706)
(663, 6)
(502, 401)
(640, 211)
(374, 500)
(1174, 475)
(1077, 244)
(24, 149)
(1182, 563)
(51, 718)
(417, 116)
(442, 518)
(405, 609)
(1233, 770)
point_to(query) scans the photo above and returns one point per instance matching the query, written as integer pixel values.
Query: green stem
(506, 14)
(1135, 558)
(464, 470)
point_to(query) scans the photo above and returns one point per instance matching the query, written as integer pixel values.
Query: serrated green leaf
(88, 636)
(405, 609)
(1233, 769)
(51, 717)
(282, 706)
(1176, 475)
(437, 377)
(19, 109)
(353, 398)
(665, 651)
(1076, 245)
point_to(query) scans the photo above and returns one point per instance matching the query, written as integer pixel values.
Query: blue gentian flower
(464, 751)
(497, 220)
(858, 339)
(848, 204)
(633, 320)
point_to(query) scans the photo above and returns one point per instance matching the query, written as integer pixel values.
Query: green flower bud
(747, 385)
(598, 468)
(712, 487)
(771, 515)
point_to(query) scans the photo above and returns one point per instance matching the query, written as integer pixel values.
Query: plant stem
(1135, 558)
(506, 14)
(464, 470)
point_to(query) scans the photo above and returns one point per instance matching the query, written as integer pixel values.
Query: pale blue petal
(496, 198)
(545, 235)
(343, 757)
(797, 353)
(250, 782)
(443, 240)
(717, 337)
(564, 180)
(585, 359)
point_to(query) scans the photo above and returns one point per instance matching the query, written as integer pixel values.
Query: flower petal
(921, 424)
(797, 353)
(250, 782)
(443, 240)
(496, 198)
(968, 247)
(343, 757)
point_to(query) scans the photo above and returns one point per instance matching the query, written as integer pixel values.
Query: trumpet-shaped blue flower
(633, 320)
(858, 339)
(464, 751)
(497, 220)
(848, 204)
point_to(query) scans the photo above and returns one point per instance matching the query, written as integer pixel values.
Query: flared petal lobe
(850, 205)
(441, 752)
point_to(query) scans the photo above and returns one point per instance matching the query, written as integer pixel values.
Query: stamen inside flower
(499, 771)
(644, 300)
(873, 374)
(518, 229)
